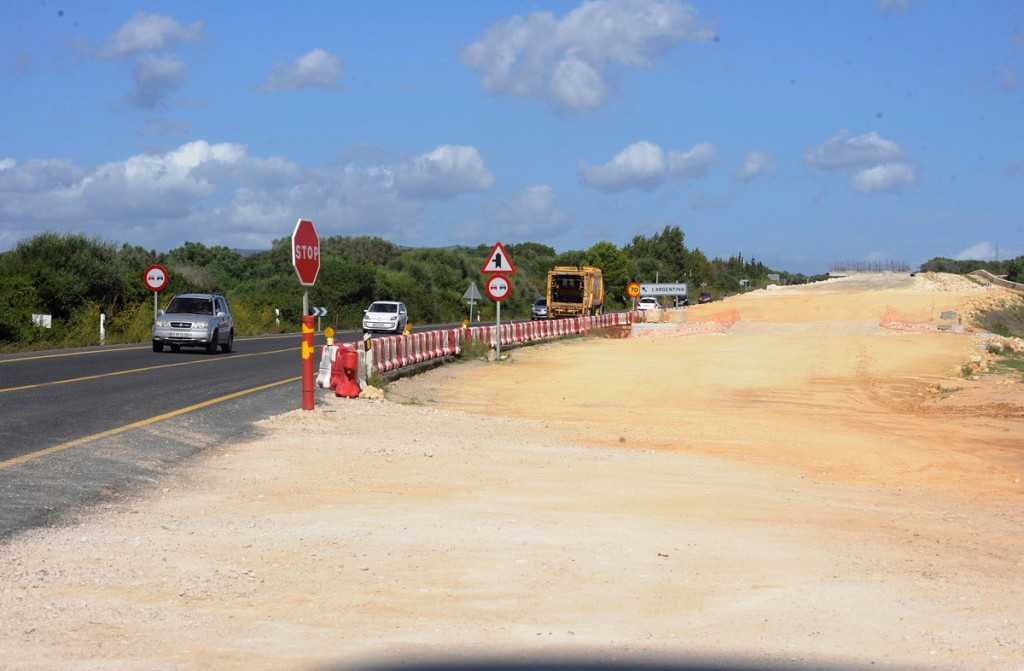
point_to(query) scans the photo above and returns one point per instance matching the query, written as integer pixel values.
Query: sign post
(306, 259)
(307, 362)
(318, 313)
(498, 286)
(633, 290)
(472, 295)
(155, 279)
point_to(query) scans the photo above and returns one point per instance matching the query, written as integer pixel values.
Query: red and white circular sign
(498, 287)
(155, 277)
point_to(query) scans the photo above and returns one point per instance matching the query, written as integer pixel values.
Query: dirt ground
(806, 490)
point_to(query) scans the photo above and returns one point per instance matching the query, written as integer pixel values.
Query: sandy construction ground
(806, 490)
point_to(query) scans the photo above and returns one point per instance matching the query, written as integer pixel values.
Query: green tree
(68, 271)
(614, 269)
(1015, 269)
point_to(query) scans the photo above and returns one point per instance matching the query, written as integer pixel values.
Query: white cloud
(891, 177)
(146, 33)
(218, 193)
(646, 166)
(442, 173)
(571, 63)
(843, 151)
(531, 214)
(982, 251)
(149, 42)
(877, 165)
(755, 164)
(155, 78)
(313, 69)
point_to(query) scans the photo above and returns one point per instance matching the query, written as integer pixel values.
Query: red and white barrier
(391, 353)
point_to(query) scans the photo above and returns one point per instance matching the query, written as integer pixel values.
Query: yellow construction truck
(575, 291)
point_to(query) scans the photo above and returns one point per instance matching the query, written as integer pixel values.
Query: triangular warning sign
(497, 262)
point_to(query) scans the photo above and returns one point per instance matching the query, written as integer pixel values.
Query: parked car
(705, 297)
(648, 303)
(539, 309)
(194, 320)
(385, 317)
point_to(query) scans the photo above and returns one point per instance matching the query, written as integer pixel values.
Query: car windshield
(190, 306)
(541, 302)
(383, 307)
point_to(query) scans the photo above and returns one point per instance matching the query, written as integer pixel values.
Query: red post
(307, 362)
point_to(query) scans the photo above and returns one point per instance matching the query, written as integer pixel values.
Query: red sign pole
(307, 362)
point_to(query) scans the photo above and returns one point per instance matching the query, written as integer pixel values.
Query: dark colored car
(705, 297)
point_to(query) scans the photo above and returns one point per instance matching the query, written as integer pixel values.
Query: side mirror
(220, 313)
(160, 312)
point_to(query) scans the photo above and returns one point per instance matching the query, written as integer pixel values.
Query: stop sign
(306, 252)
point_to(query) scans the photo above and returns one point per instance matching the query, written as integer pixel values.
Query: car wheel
(175, 348)
(226, 347)
(158, 346)
(211, 346)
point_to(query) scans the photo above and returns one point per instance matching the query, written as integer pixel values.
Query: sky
(802, 134)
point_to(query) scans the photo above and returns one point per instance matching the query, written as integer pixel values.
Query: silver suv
(194, 320)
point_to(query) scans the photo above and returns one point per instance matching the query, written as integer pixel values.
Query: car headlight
(161, 324)
(200, 326)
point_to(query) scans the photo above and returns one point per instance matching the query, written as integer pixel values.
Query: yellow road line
(128, 349)
(140, 370)
(134, 425)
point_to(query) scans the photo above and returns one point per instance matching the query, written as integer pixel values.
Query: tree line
(1012, 269)
(74, 278)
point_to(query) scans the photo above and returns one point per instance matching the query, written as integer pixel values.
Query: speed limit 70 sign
(498, 287)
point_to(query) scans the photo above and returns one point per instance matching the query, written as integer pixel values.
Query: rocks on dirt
(1001, 345)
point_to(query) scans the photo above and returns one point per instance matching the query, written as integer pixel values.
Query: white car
(648, 303)
(385, 317)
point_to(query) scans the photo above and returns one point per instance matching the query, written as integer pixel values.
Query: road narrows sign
(498, 263)
(306, 252)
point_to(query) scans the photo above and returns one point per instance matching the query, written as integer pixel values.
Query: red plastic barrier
(344, 372)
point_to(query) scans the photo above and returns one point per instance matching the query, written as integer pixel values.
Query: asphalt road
(79, 425)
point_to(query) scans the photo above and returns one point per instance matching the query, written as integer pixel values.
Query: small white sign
(677, 289)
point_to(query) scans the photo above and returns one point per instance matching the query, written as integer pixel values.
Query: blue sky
(798, 133)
